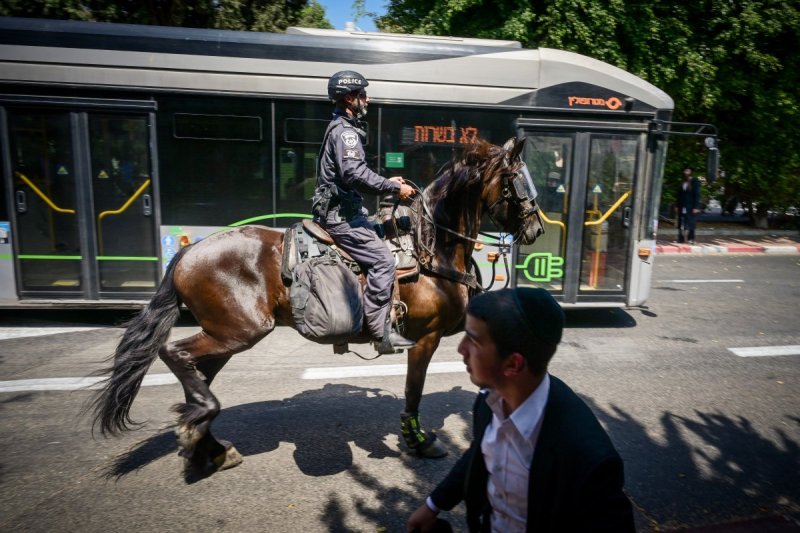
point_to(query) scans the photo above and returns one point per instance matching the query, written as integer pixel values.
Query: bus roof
(401, 68)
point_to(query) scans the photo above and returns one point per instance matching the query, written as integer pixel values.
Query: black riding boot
(392, 342)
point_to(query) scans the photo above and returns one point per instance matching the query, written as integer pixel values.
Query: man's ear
(515, 364)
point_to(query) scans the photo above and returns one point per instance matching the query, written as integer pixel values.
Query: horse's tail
(136, 351)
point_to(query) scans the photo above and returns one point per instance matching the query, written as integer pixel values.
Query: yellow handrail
(125, 206)
(610, 210)
(42, 195)
(556, 222)
(563, 229)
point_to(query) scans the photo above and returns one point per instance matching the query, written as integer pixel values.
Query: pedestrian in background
(687, 205)
(539, 460)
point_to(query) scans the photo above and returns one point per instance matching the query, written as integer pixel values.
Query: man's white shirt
(508, 445)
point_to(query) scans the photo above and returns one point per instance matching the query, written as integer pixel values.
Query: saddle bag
(326, 300)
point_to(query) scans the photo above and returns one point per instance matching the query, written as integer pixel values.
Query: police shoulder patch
(351, 154)
(350, 138)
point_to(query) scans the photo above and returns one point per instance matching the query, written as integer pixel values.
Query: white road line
(766, 351)
(339, 372)
(21, 385)
(701, 281)
(15, 333)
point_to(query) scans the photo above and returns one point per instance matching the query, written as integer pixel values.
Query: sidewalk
(720, 237)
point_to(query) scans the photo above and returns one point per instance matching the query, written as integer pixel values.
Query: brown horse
(232, 285)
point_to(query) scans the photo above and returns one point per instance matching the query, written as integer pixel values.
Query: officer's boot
(392, 341)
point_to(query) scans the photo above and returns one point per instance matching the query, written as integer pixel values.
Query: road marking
(701, 281)
(338, 372)
(21, 385)
(15, 333)
(766, 351)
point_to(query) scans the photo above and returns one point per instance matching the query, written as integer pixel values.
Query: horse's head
(509, 195)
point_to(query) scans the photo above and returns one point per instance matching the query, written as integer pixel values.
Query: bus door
(586, 181)
(83, 218)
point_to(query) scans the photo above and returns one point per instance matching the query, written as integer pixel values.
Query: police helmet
(345, 82)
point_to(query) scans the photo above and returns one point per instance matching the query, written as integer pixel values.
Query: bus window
(45, 201)
(609, 197)
(416, 142)
(300, 128)
(214, 157)
(549, 160)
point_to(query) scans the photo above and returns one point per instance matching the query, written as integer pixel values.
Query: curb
(727, 249)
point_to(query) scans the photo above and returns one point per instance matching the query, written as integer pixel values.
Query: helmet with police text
(345, 82)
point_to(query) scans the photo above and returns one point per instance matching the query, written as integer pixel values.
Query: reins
(429, 218)
(461, 277)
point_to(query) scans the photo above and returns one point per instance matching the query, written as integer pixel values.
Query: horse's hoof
(431, 450)
(229, 459)
(187, 440)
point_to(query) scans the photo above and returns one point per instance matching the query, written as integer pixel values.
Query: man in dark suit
(539, 460)
(687, 205)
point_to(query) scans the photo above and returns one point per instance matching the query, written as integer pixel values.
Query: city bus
(122, 143)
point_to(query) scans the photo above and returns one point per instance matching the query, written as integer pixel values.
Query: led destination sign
(445, 134)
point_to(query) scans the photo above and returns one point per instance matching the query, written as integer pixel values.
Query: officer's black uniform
(344, 173)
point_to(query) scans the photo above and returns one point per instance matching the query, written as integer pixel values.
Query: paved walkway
(727, 240)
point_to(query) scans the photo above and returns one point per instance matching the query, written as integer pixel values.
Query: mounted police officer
(337, 204)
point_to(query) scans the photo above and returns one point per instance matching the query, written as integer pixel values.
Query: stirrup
(392, 341)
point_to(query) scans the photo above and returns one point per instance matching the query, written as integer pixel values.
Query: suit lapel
(541, 483)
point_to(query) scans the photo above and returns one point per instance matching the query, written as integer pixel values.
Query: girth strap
(465, 278)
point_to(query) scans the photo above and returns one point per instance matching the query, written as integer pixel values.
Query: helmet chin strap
(358, 110)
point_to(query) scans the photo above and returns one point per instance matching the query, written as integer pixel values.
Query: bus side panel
(641, 273)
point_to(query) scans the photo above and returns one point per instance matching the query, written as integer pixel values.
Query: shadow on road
(706, 468)
(320, 423)
(599, 318)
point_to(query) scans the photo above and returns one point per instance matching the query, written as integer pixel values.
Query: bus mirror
(712, 169)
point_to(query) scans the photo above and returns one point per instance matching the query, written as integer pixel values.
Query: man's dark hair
(523, 320)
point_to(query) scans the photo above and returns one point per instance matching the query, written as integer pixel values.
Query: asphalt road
(707, 436)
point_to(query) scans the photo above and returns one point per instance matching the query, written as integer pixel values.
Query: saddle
(306, 240)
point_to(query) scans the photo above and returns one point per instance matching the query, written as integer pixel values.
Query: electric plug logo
(542, 267)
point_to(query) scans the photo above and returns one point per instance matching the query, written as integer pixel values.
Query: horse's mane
(456, 192)
(454, 197)
(466, 170)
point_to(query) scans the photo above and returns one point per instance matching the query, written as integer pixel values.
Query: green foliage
(251, 15)
(733, 63)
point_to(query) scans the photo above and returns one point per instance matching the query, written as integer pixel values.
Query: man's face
(687, 172)
(358, 101)
(484, 365)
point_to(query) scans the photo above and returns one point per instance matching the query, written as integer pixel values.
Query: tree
(732, 63)
(251, 15)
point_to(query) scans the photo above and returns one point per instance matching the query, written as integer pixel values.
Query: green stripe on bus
(78, 257)
(52, 257)
(267, 217)
(124, 258)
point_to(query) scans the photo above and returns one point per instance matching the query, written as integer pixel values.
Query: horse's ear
(516, 149)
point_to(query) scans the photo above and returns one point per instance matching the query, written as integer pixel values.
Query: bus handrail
(555, 222)
(127, 204)
(124, 207)
(42, 195)
(610, 210)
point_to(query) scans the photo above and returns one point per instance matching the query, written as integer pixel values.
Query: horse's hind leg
(221, 453)
(195, 361)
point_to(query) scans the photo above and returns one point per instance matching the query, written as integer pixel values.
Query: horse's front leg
(422, 443)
